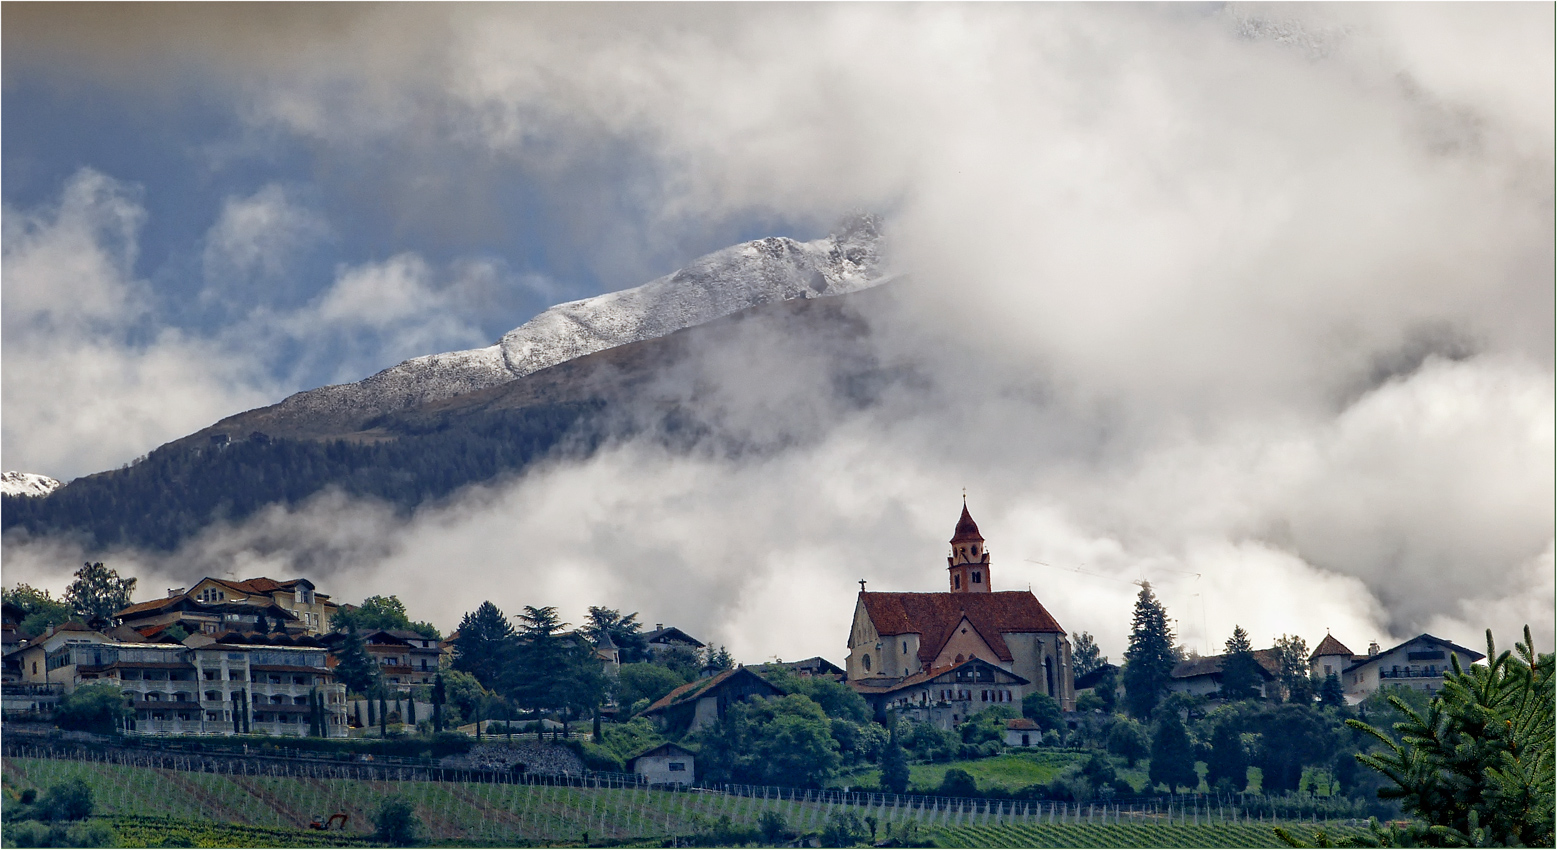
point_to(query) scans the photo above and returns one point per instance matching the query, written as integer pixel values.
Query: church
(943, 657)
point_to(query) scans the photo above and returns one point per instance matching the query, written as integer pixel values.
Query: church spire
(969, 561)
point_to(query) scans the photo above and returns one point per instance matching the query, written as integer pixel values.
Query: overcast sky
(1254, 303)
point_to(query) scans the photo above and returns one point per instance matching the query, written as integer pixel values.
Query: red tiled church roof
(934, 616)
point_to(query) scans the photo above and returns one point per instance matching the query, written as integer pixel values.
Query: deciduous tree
(1084, 656)
(97, 593)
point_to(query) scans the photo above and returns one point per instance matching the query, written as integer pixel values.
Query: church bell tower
(968, 563)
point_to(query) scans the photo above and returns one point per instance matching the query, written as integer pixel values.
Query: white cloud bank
(1262, 296)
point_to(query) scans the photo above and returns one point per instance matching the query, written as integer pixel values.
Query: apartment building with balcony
(1418, 664)
(405, 658)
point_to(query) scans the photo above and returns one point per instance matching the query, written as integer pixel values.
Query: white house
(667, 764)
(1418, 664)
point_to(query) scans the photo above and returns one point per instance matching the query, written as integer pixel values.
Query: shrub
(70, 800)
(396, 823)
(844, 829)
(958, 783)
(93, 708)
(94, 833)
(773, 827)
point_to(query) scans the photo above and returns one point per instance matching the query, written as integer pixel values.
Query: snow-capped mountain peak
(712, 286)
(27, 484)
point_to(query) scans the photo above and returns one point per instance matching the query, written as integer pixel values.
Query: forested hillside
(177, 490)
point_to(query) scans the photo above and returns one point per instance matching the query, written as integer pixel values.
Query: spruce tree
(1240, 671)
(354, 667)
(1331, 693)
(1150, 660)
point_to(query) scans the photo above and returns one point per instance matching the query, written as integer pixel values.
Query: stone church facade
(941, 657)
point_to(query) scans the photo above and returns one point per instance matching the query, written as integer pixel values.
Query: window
(865, 660)
(905, 647)
(956, 582)
(676, 766)
(978, 577)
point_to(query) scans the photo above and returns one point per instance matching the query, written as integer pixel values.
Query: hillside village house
(1418, 664)
(404, 657)
(297, 596)
(663, 640)
(207, 685)
(666, 764)
(697, 704)
(1202, 675)
(942, 657)
(215, 606)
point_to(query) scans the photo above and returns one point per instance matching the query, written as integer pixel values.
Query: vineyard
(153, 805)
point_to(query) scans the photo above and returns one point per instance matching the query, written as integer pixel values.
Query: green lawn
(1011, 772)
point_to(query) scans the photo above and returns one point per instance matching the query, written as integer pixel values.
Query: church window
(865, 659)
(905, 652)
(956, 582)
(977, 577)
(975, 548)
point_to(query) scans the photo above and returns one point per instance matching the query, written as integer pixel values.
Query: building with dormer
(950, 655)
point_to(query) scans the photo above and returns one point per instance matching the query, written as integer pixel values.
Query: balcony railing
(1430, 672)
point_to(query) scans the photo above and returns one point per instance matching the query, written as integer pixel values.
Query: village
(972, 671)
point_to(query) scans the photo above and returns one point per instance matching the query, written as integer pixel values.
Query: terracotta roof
(1021, 724)
(1329, 646)
(934, 617)
(153, 605)
(967, 529)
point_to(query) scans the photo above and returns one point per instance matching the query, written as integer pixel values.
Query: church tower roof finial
(967, 529)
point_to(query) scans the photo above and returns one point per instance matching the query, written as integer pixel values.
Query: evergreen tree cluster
(177, 490)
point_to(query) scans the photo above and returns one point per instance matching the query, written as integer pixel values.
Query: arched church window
(865, 659)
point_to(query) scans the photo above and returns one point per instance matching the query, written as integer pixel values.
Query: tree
(1240, 671)
(97, 594)
(69, 800)
(1084, 656)
(838, 701)
(438, 697)
(582, 683)
(40, 610)
(1042, 710)
(642, 681)
(1292, 737)
(1127, 738)
(542, 660)
(894, 764)
(784, 741)
(1292, 669)
(1229, 760)
(1150, 660)
(1173, 757)
(1331, 694)
(395, 823)
(717, 659)
(94, 708)
(485, 646)
(354, 668)
(958, 783)
(1477, 767)
(773, 827)
(381, 612)
(261, 625)
(1107, 690)
(626, 632)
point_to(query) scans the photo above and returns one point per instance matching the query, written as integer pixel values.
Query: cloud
(1260, 294)
(254, 243)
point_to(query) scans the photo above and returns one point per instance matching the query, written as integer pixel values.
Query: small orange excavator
(337, 821)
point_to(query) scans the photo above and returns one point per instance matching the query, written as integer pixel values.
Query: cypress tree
(1173, 757)
(372, 717)
(383, 715)
(1150, 660)
(356, 711)
(894, 763)
(437, 702)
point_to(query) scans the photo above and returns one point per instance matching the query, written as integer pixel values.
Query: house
(1021, 732)
(664, 640)
(1095, 677)
(1332, 657)
(945, 696)
(208, 615)
(816, 665)
(1202, 674)
(1419, 664)
(666, 764)
(208, 685)
(297, 597)
(896, 637)
(405, 658)
(696, 704)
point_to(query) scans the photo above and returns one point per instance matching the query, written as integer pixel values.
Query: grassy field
(1009, 772)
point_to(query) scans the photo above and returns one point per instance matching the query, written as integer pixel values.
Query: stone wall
(536, 758)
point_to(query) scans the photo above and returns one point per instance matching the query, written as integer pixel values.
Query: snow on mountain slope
(27, 484)
(714, 285)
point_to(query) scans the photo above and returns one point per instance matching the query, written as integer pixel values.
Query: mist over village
(779, 425)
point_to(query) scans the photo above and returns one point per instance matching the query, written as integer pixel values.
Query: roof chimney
(175, 591)
(1373, 648)
(658, 626)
